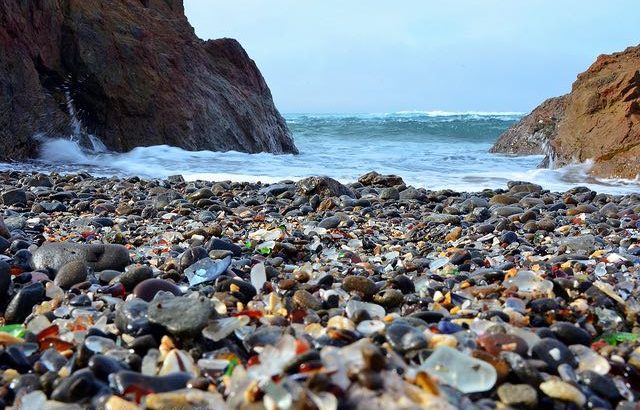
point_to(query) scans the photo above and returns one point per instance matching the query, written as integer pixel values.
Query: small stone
(134, 275)
(359, 284)
(495, 343)
(191, 256)
(518, 395)
(181, 315)
(148, 288)
(306, 300)
(389, 194)
(70, 274)
(404, 337)
(454, 234)
(330, 222)
(221, 245)
(563, 391)
(116, 403)
(571, 334)
(389, 298)
(185, 399)
(131, 317)
(78, 386)
(554, 353)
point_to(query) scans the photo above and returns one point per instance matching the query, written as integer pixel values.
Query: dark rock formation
(529, 135)
(598, 120)
(137, 74)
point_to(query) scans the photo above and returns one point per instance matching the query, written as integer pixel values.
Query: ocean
(434, 149)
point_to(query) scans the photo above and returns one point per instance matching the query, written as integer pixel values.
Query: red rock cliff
(598, 120)
(138, 76)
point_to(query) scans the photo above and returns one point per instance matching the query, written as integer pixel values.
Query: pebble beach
(126, 293)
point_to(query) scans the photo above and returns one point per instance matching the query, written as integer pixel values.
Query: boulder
(598, 121)
(137, 75)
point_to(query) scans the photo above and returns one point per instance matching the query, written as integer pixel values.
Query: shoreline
(316, 292)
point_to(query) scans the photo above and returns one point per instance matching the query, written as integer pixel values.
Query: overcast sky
(393, 55)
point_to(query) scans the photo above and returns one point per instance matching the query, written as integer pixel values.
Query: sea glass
(465, 373)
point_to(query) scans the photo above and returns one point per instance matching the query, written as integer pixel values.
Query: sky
(372, 56)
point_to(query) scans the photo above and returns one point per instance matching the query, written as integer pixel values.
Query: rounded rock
(148, 288)
(359, 284)
(70, 274)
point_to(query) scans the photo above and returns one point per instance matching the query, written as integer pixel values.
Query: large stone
(323, 186)
(598, 120)
(374, 178)
(53, 255)
(181, 315)
(136, 72)
(14, 196)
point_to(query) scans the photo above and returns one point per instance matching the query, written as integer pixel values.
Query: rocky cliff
(137, 75)
(598, 120)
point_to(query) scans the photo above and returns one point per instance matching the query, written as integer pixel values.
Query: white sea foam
(429, 153)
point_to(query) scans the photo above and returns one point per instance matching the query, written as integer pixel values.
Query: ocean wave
(438, 113)
(462, 166)
(405, 116)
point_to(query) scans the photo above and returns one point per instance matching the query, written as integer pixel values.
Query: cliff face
(137, 75)
(598, 120)
(529, 135)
